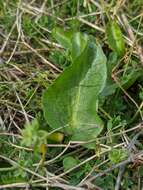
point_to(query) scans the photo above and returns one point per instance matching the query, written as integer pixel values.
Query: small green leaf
(29, 133)
(109, 125)
(111, 86)
(79, 42)
(117, 155)
(75, 43)
(111, 63)
(33, 136)
(130, 78)
(141, 94)
(115, 38)
(56, 137)
(63, 37)
(69, 162)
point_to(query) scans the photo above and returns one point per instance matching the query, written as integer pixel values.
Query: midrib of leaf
(75, 108)
(74, 121)
(116, 35)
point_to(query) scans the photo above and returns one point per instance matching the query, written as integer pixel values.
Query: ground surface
(31, 58)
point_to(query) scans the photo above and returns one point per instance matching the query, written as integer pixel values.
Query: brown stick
(133, 38)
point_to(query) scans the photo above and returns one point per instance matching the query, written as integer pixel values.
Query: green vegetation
(71, 94)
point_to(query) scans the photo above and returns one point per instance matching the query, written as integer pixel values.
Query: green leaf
(33, 136)
(130, 78)
(111, 63)
(111, 86)
(55, 137)
(117, 155)
(115, 38)
(29, 133)
(63, 37)
(69, 162)
(79, 42)
(71, 102)
(74, 42)
(87, 133)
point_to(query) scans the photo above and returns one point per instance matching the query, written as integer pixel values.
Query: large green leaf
(71, 101)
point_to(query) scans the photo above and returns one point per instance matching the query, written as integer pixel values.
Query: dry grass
(28, 65)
